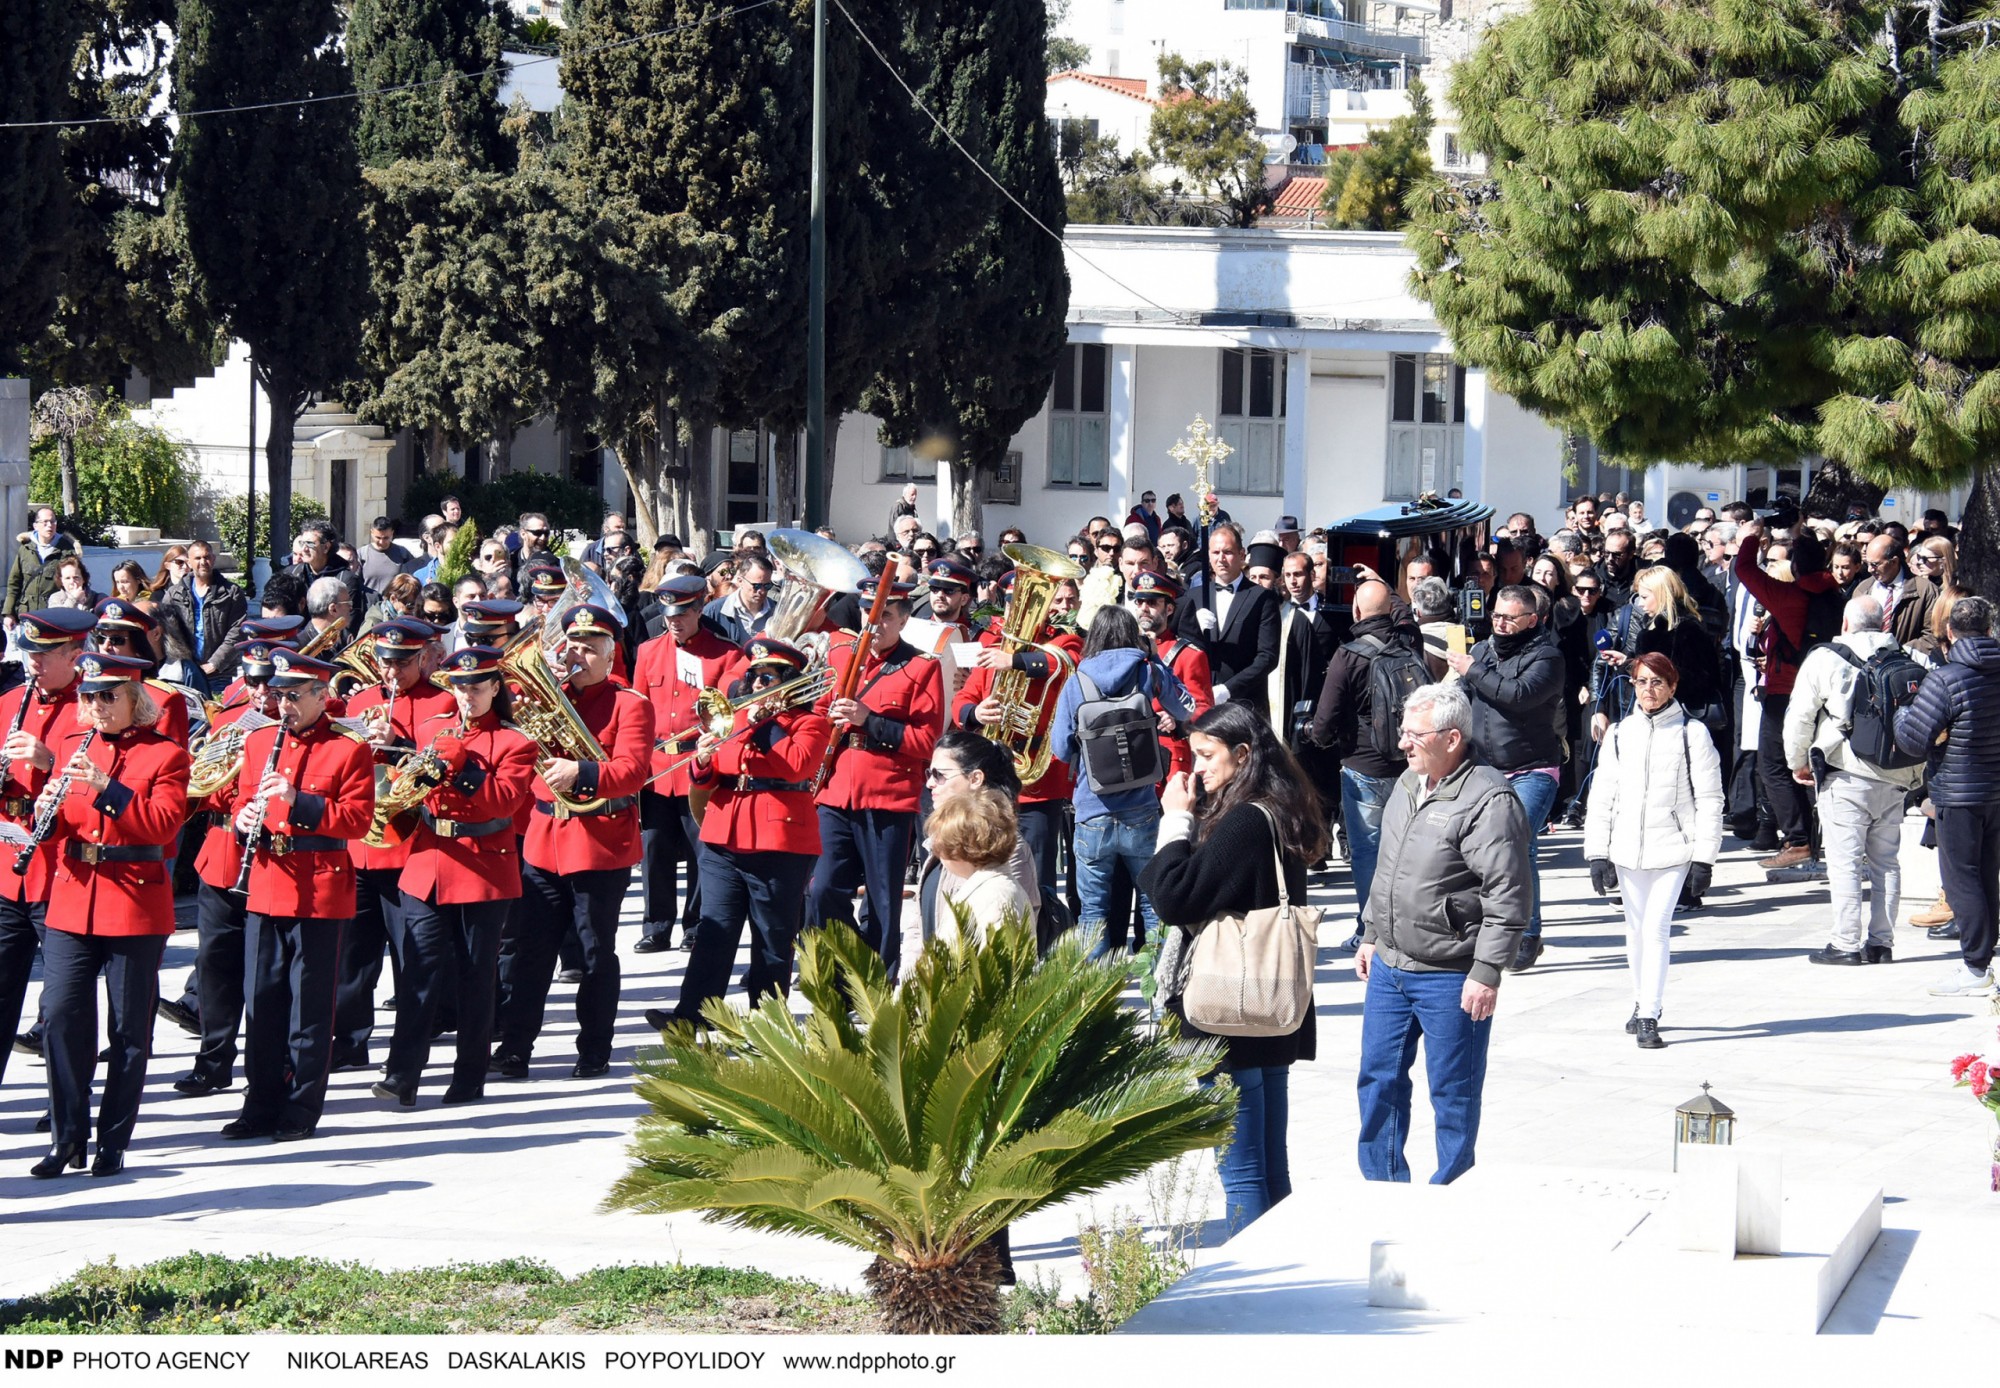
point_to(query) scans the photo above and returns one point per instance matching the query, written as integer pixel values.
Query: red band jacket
(747, 813)
(622, 721)
(335, 781)
(143, 807)
(1045, 678)
(881, 763)
(50, 718)
(670, 675)
(1189, 664)
(492, 769)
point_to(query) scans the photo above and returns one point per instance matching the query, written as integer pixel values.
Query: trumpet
(718, 717)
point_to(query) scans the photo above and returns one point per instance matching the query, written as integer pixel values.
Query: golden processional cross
(1205, 451)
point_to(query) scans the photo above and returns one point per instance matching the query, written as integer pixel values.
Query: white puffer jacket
(1656, 798)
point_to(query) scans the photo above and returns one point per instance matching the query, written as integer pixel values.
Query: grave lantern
(1703, 1121)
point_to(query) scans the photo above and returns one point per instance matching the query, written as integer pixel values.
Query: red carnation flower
(1982, 1080)
(1961, 1065)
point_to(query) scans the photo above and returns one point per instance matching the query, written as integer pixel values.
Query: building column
(14, 446)
(1298, 397)
(1473, 472)
(1123, 424)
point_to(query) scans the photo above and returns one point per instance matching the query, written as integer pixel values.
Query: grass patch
(207, 1294)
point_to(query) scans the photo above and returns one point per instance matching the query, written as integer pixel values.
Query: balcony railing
(1359, 38)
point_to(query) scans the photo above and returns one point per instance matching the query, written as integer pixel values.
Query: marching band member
(759, 837)
(488, 621)
(579, 862)
(392, 719)
(125, 628)
(1155, 598)
(283, 630)
(883, 737)
(1042, 804)
(673, 668)
(300, 802)
(463, 871)
(38, 716)
(218, 961)
(111, 906)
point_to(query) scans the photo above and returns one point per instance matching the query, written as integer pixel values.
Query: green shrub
(568, 505)
(456, 561)
(126, 474)
(229, 525)
(1125, 1272)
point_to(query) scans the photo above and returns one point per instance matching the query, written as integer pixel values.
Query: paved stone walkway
(1846, 1068)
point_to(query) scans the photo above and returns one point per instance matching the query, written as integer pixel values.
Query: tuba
(544, 713)
(815, 569)
(1038, 573)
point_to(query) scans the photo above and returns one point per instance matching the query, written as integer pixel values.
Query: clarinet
(45, 818)
(20, 715)
(242, 887)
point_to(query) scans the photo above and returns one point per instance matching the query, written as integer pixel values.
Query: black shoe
(659, 1018)
(243, 1129)
(463, 1094)
(589, 1069)
(570, 976)
(1879, 954)
(1525, 954)
(382, 1089)
(195, 1086)
(1830, 955)
(509, 1067)
(391, 1003)
(45, 1124)
(28, 1043)
(1632, 1022)
(107, 1163)
(1767, 840)
(66, 1157)
(1943, 932)
(1648, 1033)
(654, 944)
(350, 1059)
(180, 1014)
(291, 1133)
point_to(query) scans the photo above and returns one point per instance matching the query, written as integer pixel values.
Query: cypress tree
(392, 43)
(1737, 230)
(37, 40)
(272, 199)
(977, 363)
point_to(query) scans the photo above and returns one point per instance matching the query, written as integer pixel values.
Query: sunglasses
(758, 587)
(98, 696)
(1079, 554)
(434, 615)
(972, 551)
(292, 696)
(939, 775)
(538, 534)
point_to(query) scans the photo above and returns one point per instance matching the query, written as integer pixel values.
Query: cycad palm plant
(916, 1122)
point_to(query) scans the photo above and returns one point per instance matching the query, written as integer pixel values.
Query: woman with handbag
(1235, 837)
(1655, 823)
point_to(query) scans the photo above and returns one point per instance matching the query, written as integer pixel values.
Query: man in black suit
(1238, 622)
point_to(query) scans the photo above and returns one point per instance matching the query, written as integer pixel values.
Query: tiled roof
(1134, 87)
(1299, 197)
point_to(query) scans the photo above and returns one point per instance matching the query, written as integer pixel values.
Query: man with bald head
(1359, 718)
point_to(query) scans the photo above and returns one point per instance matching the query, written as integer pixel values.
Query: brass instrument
(323, 640)
(718, 712)
(815, 568)
(544, 713)
(1038, 573)
(218, 757)
(410, 783)
(359, 670)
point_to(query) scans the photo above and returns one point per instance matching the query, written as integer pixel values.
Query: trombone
(718, 713)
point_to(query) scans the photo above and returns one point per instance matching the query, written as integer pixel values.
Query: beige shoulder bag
(1252, 975)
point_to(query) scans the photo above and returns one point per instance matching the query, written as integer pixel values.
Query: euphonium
(544, 713)
(1038, 573)
(410, 783)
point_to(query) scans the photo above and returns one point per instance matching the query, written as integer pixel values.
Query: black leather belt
(114, 852)
(618, 806)
(466, 829)
(766, 783)
(278, 845)
(21, 806)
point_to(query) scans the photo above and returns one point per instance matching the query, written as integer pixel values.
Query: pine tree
(392, 43)
(979, 365)
(272, 199)
(37, 38)
(1727, 230)
(1206, 128)
(1369, 189)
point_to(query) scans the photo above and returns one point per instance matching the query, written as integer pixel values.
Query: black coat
(1232, 871)
(1517, 703)
(1960, 698)
(1243, 651)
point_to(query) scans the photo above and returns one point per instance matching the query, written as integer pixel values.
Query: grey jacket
(1454, 882)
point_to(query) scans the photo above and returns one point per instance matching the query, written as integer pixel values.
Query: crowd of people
(1141, 728)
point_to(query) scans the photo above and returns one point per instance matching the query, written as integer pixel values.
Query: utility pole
(249, 557)
(816, 290)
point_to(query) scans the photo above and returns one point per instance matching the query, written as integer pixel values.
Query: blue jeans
(1362, 800)
(1256, 1173)
(1400, 1006)
(1537, 794)
(1100, 842)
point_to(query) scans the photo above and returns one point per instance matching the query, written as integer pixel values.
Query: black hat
(588, 619)
(716, 559)
(290, 670)
(51, 628)
(1148, 583)
(400, 637)
(1266, 556)
(682, 592)
(470, 664)
(951, 573)
(487, 616)
(100, 672)
(272, 628)
(116, 612)
(770, 650)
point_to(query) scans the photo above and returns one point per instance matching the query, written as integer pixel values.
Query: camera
(1471, 606)
(1782, 514)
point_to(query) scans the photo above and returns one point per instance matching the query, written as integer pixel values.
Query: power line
(501, 68)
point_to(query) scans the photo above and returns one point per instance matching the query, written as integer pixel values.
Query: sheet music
(13, 835)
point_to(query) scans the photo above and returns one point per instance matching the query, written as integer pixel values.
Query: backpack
(1118, 738)
(1885, 684)
(1824, 614)
(1394, 671)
